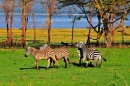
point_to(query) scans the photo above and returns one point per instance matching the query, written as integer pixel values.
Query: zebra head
(80, 45)
(27, 51)
(81, 48)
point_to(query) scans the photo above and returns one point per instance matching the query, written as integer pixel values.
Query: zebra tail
(104, 59)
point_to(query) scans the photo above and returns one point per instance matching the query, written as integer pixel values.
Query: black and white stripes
(88, 54)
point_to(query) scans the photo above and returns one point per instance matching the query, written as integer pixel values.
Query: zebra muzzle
(25, 55)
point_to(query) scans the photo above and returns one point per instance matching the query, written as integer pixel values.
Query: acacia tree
(30, 5)
(50, 8)
(8, 6)
(83, 6)
(24, 19)
(103, 9)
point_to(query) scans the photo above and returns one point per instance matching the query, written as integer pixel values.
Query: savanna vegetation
(61, 35)
(107, 12)
(16, 70)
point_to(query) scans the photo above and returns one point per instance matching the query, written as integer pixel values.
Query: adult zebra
(88, 54)
(60, 53)
(45, 54)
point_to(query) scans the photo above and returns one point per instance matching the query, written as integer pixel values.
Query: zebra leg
(36, 63)
(52, 61)
(100, 60)
(80, 62)
(48, 63)
(87, 63)
(55, 61)
(95, 62)
(66, 62)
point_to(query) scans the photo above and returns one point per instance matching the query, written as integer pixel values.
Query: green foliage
(16, 70)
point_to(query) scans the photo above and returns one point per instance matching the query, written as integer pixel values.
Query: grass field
(16, 70)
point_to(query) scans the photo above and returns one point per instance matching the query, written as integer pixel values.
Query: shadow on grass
(40, 67)
(84, 64)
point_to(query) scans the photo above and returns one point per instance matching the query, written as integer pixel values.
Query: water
(61, 21)
(58, 21)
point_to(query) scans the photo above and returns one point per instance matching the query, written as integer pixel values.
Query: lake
(58, 21)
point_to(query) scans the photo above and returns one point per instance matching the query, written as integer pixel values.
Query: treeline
(108, 13)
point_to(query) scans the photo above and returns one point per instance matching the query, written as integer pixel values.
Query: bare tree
(24, 19)
(8, 6)
(50, 7)
(30, 5)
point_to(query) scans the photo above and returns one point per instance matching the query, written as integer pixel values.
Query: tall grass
(58, 35)
(16, 70)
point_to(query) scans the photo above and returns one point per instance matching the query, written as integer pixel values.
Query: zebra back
(47, 49)
(61, 52)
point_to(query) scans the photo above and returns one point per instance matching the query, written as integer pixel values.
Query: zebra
(60, 53)
(89, 54)
(78, 51)
(38, 55)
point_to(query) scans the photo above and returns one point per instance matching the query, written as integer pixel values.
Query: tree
(103, 9)
(33, 20)
(8, 6)
(50, 7)
(24, 19)
(83, 6)
(121, 9)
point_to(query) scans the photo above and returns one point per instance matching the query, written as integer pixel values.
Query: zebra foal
(88, 54)
(38, 55)
(60, 53)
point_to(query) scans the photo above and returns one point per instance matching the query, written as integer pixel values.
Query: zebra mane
(45, 46)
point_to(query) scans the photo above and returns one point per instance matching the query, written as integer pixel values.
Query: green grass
(16, 70)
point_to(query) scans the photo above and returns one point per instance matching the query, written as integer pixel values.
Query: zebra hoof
(86, 66)
(46, 68)
(65, 67)
(57, 67)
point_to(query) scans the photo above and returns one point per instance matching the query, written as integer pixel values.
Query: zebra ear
(28, 47)
(45, 45)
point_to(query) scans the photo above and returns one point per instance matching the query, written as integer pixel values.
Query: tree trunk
(88, 39)
(123, 32)
(23, 16)
(99, 28)
(107, 39)
(8, 32)
(106, 32)
(49, 28)
(6, 11)
(33, 20)
(11, 20)
(73, 30)
(34, 27)
(50, 10)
